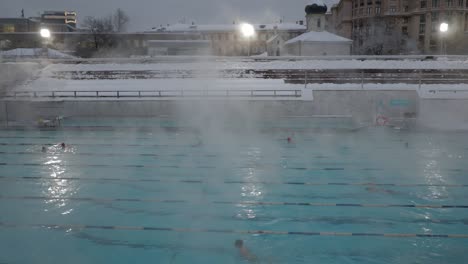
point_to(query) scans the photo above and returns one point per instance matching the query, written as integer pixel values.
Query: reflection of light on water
(246, 212)
(250, 188)
(58, 188)
(432, 174)
(67, 212)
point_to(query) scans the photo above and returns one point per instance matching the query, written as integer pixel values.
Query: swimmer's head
(239, 243)
(62, 145)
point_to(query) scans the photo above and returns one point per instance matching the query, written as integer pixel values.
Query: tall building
(401, 26)
(59, 21)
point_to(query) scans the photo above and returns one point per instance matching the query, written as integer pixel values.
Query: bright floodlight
(247, 30)
(443, 27)
(45, 33)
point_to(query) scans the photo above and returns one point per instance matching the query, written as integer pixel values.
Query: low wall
(363, 106)
(444, 114)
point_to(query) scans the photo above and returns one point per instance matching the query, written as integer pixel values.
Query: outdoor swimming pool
(120, 193)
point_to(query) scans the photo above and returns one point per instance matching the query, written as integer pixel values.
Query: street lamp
(444, 27)
(45, 35)
(248, 31)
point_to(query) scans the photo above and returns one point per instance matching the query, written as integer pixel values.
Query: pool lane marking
(367, 184)
(202, 167)
(131, 154)
(162, 166)
(90, 199)
(233, 231)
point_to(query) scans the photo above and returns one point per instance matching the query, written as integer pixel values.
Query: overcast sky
(145, 14)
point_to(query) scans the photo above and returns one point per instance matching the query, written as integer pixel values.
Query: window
(8, 28)
(405, 20)
(319, 23)
(435, 3)
(377, 10)
(466, 22)
(369, 10)
(423, 4)
(435, 21)
(369, 2)
(449, 3)
(406, 8)
(404, 30)
(422, 24)
(422, 19)
(460, 3)
(392, 9)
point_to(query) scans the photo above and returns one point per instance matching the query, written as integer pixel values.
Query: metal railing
(338, 76)
(155, 94)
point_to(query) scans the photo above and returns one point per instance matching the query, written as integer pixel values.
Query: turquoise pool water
(122, 194)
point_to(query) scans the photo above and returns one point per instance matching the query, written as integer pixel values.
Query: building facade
(59, 21)
(227, 39)
(401, 26)
(317, 41)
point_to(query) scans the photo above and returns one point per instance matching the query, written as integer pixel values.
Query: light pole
(444, 27)
(248, 31)
(45, 35)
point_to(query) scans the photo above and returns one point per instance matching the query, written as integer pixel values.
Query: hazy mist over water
(145, 14)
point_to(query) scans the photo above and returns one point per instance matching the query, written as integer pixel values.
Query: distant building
(401, 26)
(227, 39)
(13, 25)
(55, 21)
(317, 41)
(59, 21)
(179, 47)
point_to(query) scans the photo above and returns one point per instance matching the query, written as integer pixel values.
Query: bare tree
(100, 28)
(120, 20)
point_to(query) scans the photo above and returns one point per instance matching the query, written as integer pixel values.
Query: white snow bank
(323, 36)
(35, 53)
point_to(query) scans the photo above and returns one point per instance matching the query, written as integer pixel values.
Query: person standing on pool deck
(245, 252)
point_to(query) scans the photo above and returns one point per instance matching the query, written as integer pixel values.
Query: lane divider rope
(232, 231)
(90, 199)
(199, 167)
(368, 184)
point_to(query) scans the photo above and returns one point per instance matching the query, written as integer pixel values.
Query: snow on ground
(265, 65)
(34, 53)
(47, 82)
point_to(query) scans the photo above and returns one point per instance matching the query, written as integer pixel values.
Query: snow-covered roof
(225, 27)
(314, 36)
(317, 2)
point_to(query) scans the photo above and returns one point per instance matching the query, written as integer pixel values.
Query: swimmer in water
(44, 149)
(63, 145)
(289, 140)
(245, 252)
